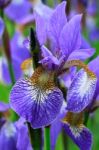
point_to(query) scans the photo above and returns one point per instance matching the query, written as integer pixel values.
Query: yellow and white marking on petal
(27, 67)
(75, 121)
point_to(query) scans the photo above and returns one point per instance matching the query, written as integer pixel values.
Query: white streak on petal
(81, 91)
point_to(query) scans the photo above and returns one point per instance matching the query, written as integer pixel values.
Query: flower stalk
(35, 134)
(6, 45)
(47, 138)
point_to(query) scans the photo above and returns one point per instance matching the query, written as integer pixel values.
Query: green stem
(34, 51)
(86, 118)
(35, 136)
(65, 139)
(6, 45)
(47, 138)
(11, 72)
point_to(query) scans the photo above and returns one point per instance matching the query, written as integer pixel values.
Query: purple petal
(42, 10)
(41, 29)
(37, 106)
(57, 22)
(42, 15)
(18, 51)
(56, 126)
(93, 65)
(81, 54)
(8, 137)
(56, 129)
(5, 71)
(28, 19)
(81, 137)
(70, 38)
(67, 78)
(23, 140)
(4, 107)
(12, 11)
(81, 92)
(47, 54)
(84, 43)
(1, 27)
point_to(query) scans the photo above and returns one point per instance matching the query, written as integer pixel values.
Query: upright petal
(41, 29)
(57, 22)
(93, 65)
(81, 92)
(70, 38)
(37, 99)
(81, 54)
(51, 59)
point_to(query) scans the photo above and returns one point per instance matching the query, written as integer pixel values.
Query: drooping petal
(81, 92)
(73, 125)
(81, 54)
(36, 99)
(70, 38)
(81, 137)
(57, 22)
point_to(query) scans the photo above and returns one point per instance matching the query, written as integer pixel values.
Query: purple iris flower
(14, 136)
(38, 99)
(18, 53)
(58, 30)
(12, 11)
(73, 121)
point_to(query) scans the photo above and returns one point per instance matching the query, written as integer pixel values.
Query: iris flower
(13, 136)
(38, 98)
(73, 122)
